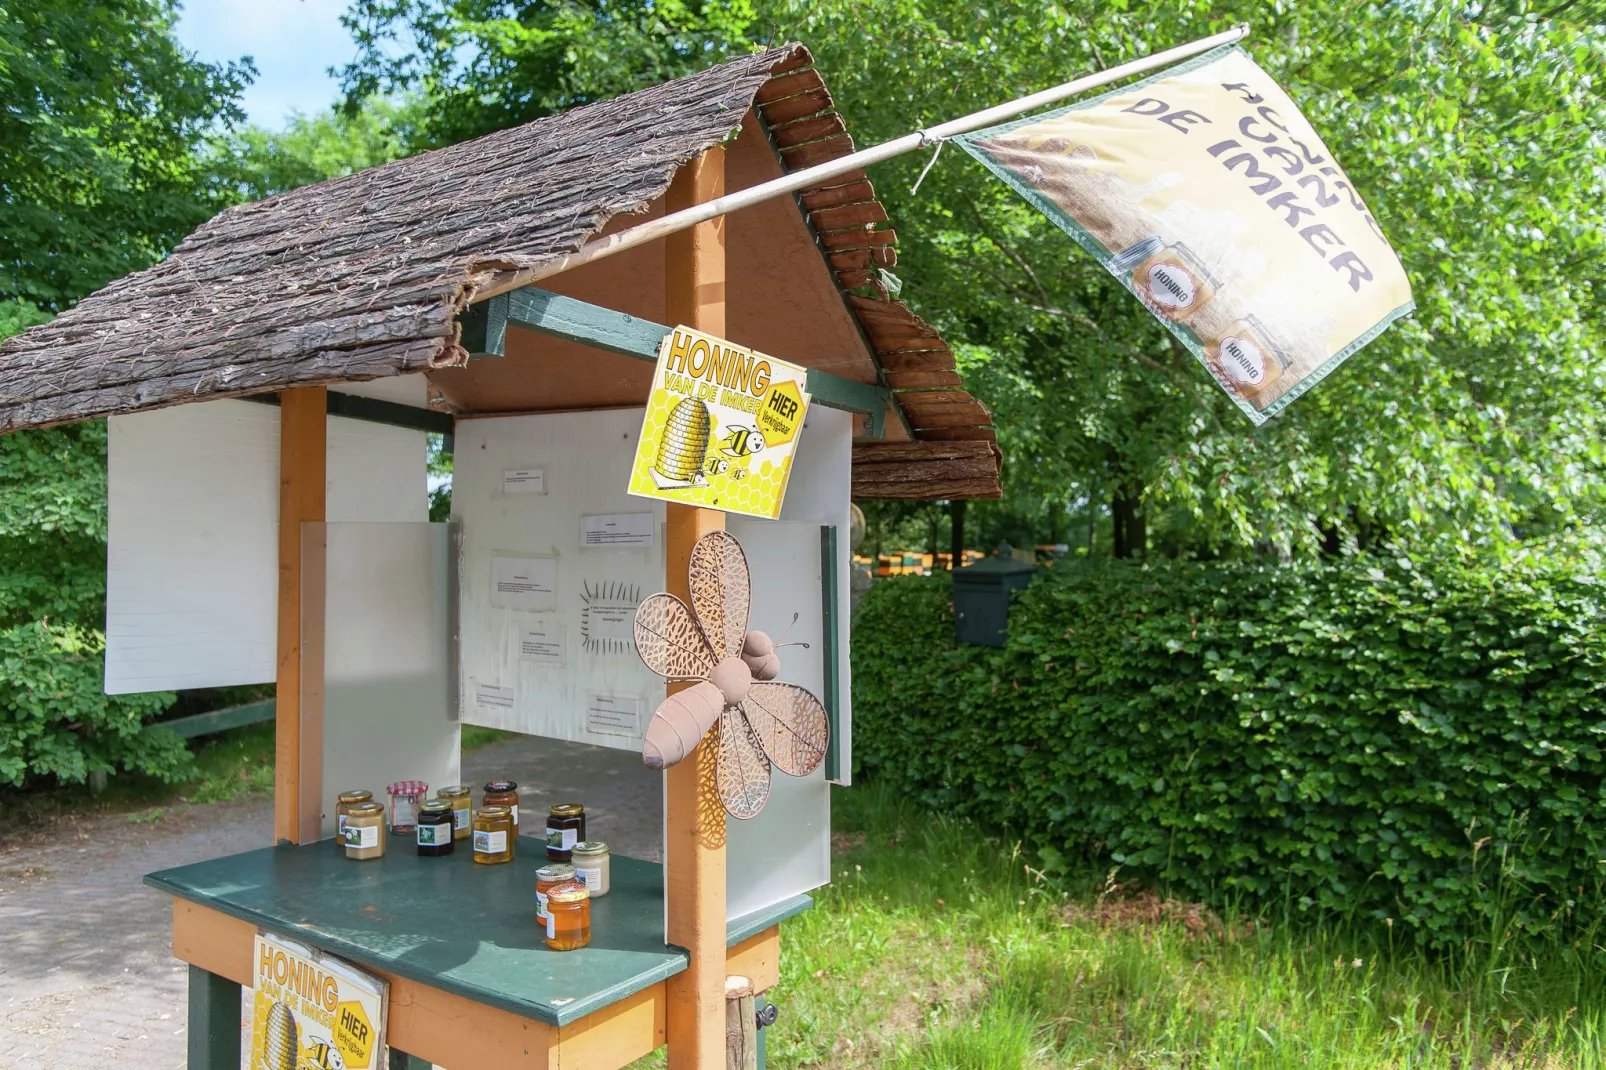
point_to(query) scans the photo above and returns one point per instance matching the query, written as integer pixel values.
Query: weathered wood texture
(741, 1025)
(853, 231)
(925, 470)
(362, 277)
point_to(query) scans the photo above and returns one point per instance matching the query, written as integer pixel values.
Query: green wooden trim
(214, 1022)
(375, 411)
(752, 924)
(204, 724)
(829, 612)
(400, 1060)
(617, 332)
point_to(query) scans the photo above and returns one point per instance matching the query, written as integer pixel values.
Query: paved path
(87, 977)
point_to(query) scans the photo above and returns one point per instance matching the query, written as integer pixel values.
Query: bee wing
(741, 768)
(669, 641)
(721, 588)
(791, 726)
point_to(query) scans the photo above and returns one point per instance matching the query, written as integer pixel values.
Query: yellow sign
(721, 426)
(312, 1012)
(1210, 196)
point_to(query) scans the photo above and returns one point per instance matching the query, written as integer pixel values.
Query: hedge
(1416, 743)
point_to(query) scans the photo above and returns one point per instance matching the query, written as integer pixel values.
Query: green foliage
(255, 163)
(1379, 738)
(101, 116)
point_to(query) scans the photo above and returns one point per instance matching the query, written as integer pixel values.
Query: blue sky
(293, 42)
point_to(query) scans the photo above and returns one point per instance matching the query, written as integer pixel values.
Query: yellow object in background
(721, 426)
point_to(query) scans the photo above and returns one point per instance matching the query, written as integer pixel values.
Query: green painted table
(448, 923)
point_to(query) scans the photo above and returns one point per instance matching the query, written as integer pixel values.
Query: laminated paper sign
(313, 1012)
(721, 426)
(1208, 194)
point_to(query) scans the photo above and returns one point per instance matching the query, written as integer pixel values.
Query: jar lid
(568, 893)
(365, 808)
(495, 811)
(590, 847)
(407, 787)
(558, 871)
(355, 796)
(567, 810)
(436, 806)
(502, 785)
(455, 789)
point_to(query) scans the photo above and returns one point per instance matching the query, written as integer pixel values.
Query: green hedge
(1379, 739)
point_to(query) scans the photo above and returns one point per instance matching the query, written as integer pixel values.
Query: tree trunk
(1131, 526)
(957, 545)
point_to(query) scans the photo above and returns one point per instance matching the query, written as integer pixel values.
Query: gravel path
(87, 976)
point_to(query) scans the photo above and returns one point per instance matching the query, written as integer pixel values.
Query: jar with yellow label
(462, 810)
(493, 835)
(343, 804)
(364, 832)
(568, 917)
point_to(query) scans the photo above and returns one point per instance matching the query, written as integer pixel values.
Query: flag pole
(810, 177)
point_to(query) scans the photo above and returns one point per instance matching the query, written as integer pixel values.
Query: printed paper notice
(542, 644)
(524, 481)
(524, 582)
(613, 715)
(721, 426)
(310, 1010)
(617, 530)
(491, 697)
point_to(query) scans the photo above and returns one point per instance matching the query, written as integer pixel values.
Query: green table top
(454, 925)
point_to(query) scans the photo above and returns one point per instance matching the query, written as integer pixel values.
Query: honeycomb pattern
(758, 494)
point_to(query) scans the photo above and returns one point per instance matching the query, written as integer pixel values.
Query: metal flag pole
(810, 177)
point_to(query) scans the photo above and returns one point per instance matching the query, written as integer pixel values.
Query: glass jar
(405, 795)
(593, 866)
(565, 827)
(547, 878)
(364, 833)
(462, 810)
(435, 829)
(343, 804)
(503, 793)
(568, 917)
(493, 835)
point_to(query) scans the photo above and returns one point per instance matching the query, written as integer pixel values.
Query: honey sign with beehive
(721, 426)
(312, 1012)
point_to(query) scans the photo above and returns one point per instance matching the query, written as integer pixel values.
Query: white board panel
(387, 681)
(192, 546)
(553, 683)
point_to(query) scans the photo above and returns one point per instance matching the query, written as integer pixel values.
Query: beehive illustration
(684, 441)
(281, 1047)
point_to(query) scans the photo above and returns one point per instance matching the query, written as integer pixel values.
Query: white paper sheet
(491, 697)
(524, 481)
(613, 715)
(543, 644)
(617, 531)
(528, 583)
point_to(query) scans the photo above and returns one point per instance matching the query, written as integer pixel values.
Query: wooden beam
(694, 842)
(303, 449)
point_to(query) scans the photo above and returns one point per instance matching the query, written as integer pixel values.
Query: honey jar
(593, 866)
(1245, 360)
(343, 804)
(503, 793)
(1173, 283)
(547, 878)
(493, 835)
(364, 833)
(435, 829)
(568, 917)
(565, 827)
(462, 810)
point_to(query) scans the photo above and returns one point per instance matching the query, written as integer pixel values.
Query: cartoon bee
(321, 1055)
(741, 442)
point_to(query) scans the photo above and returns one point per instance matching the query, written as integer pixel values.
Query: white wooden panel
(586, 457)
(402, 389)
(192, 547)
(387, 683)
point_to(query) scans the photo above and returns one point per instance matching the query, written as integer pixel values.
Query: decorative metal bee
(732, 672)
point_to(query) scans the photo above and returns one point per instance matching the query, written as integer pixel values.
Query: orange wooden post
(303, 441)
(694, 848)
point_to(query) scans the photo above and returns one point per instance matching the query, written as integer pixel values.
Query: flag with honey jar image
(313, 1012)
(1207, 193)
(721, 426)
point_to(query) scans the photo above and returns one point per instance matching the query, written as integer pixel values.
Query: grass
(936, 947)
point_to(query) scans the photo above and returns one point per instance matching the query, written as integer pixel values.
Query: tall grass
(938, 947)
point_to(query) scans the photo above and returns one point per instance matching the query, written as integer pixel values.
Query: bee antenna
(788, 632)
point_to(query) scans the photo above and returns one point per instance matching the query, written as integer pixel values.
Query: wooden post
(303, 445)
(741, 1025)
(214, 1022)
(694, 846)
